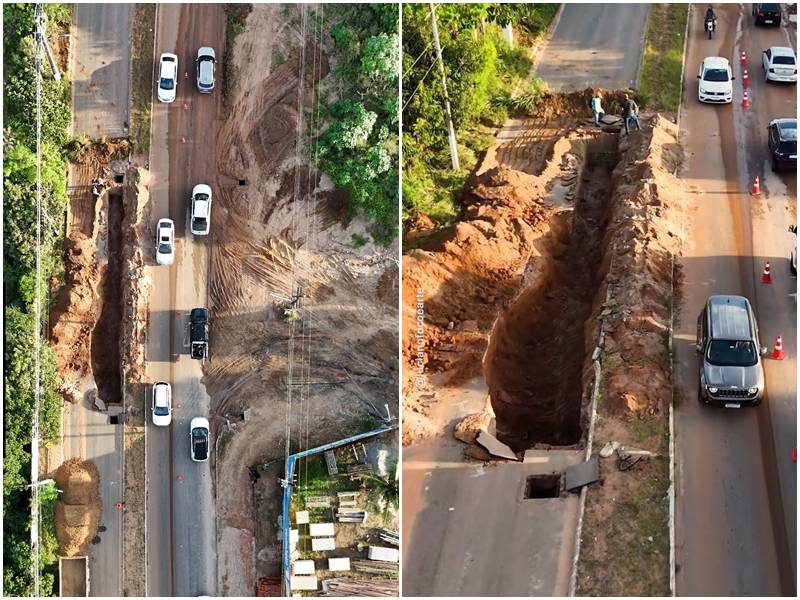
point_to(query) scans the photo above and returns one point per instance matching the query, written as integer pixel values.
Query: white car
(198, 432)
(780, 64)
(201, 209)
(167, 77)
(162, 404)
(206, 59)
(165, 242)
(793, 254)
(716, 81)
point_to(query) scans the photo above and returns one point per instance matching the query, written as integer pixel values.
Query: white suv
(167, 77)
(165, 242)
(201, 209)
(206, 59)
(716, 81)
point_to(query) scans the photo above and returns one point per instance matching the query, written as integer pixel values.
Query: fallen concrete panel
(495, 446)
(583, 474)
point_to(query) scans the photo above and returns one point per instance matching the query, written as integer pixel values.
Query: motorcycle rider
(710, 16)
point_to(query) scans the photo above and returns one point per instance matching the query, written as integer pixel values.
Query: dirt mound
(79, 509)
(577, 104)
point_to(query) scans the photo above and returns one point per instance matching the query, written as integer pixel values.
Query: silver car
(206, 60)
(731, 372)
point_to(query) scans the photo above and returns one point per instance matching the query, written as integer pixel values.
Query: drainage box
(542, 486)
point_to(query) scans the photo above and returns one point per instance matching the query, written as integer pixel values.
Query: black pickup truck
(198, 324)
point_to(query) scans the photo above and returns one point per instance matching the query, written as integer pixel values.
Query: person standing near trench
(630, 113)
(597, 108)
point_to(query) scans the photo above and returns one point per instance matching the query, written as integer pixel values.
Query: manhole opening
(242, 182)
(113, 420)
(119, 178)
(543, 486)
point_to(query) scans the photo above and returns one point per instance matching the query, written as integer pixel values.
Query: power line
(423, 53)
(416, 89)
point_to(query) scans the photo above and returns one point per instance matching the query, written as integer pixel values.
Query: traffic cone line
(755, 190)
(743, 58)
(766, 276)
(777, 351)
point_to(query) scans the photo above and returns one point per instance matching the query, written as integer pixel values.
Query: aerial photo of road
(218, 412)
(599, 331)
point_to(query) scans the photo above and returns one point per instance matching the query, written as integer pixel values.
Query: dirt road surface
(181, 521)
(595, 45)
(735, 463)
(100, 69)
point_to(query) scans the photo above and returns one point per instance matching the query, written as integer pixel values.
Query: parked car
(206, 60)
(162, 404)
(201, 209)
(198, 333)
(199, 435)
(716, 81)
(793, 253)
(782, 143)
(767, 14)
(167, 77)
(731, 373)
(165, 242)
(780, 64)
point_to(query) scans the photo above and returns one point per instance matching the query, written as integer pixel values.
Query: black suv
(782, 142)
(198, 323)
(767, 14)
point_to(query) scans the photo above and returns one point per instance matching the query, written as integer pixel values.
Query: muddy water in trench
(106, 334)
(538, 351)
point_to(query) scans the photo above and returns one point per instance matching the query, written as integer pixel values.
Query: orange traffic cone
(746, 100)
(186, 105)
(756, 189)
(745, 78)
(743, 58)
(119, 505)
(777, 352)
(766, 276)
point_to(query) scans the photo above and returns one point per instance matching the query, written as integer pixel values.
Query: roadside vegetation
(486, 80)
(142, 40)
(236, 17)
(19, 247)
(660, 81)
(359, 146)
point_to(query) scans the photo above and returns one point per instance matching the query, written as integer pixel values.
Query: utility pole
(451, 132)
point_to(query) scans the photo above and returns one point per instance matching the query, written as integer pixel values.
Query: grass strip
(142, 40)
(660, 80)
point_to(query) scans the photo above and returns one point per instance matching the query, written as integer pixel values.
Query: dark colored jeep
(767, 14)
(198, 323)
(782, 142)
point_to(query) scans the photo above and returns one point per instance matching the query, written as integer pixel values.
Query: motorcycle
(710, 27)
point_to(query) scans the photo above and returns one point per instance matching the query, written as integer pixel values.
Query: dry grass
(142, 40)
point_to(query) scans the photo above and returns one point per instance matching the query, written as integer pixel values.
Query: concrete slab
(495, 446)
(582, 474)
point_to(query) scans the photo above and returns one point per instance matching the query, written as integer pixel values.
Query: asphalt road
(595, 44)
(100, 69)
(181, 517)
(88, 435)
(736, 485)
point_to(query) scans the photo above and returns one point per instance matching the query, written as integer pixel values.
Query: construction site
(547, 309)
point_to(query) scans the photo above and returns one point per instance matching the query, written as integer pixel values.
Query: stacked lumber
(375, 567)
(389, 536)
(343, 586)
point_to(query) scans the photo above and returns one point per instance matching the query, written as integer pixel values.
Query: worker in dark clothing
(630, 112)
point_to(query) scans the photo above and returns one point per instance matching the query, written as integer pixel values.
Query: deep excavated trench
(538, 351)
(105, 351)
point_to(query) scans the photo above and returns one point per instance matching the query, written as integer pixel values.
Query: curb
(638, 79)
(539, 48)
(598, 377)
